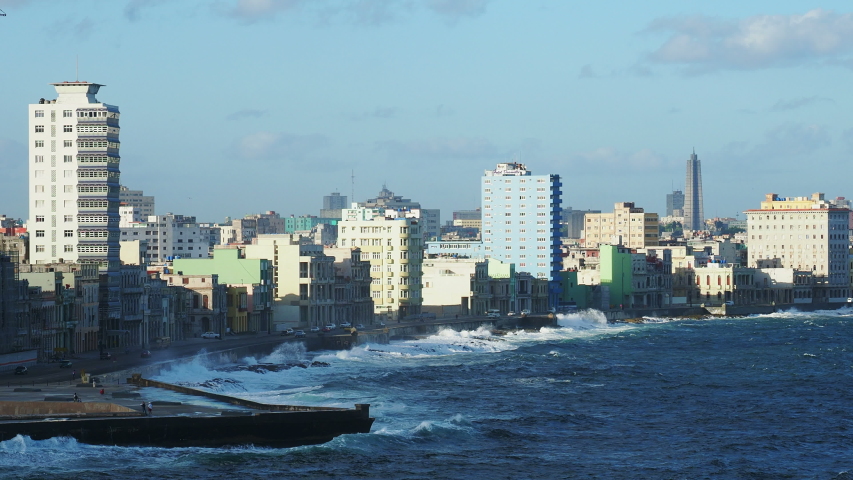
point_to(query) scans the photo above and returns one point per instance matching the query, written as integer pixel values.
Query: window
(39, 128)
(67, 143)
(67, 128)
(68, 248)
(39, 203)
(68, 218)
(39, 233)
(39, 188)
(66, 113)
(39, 113)
(68, 188)
(39, 143)
(39, 159)
(40, 248)
(69, 233)
(67, 158)
(39, 218)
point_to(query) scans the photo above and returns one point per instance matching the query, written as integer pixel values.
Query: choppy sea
(763, 397)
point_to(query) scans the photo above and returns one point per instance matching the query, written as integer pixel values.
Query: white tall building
(521, 219)
(74, 178)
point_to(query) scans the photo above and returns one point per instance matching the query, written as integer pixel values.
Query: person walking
(144, 411)
(150, 409)
(73, 374)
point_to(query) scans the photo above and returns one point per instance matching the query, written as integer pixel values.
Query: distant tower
(675, 204)
(694, 212)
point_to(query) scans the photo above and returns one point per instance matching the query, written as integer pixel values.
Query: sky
(233, 107)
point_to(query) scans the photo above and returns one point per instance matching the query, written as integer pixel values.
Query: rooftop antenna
(352, 191)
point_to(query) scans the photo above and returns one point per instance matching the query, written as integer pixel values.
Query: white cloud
(133, 7)
(281, 146)
(441, 148)
(641, 160)
(363, 12)
(780, 143)
(793, 104)
(705, 43)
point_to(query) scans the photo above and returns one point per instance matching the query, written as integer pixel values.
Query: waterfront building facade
(694, 210)
(806, 234)
(447, 284)
(521, 219)
(233, 269)
(391, 239)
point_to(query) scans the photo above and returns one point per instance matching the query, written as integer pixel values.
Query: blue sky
(232, 107)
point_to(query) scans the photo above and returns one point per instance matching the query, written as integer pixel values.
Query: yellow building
(631, 226)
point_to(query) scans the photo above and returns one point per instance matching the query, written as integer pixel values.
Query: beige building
(391, 239)
(803, 233)
(635, 227)
(447, 285)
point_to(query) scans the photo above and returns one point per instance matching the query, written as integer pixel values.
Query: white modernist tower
(74, 178)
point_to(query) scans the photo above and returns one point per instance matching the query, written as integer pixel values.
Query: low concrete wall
(60, 408)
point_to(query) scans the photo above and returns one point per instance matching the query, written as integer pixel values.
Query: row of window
(65, 113)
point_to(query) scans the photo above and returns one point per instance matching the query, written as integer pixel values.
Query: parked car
(360, 326)
(299, 334)
(525, 312)
(315, 329)
(209, 335)
(289, 331)
(346, 325)
(328, 328)
(65, 364)
(20, 370)
(106, 355)
(145, 354)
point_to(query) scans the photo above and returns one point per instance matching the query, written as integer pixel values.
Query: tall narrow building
(74, 178)
(694, 212)
(521, 219)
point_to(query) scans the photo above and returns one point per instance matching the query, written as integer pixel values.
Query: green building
(306, 222)
(234, 269)
(581, 295)
(617, 274)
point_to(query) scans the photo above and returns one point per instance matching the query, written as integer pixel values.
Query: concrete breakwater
(174, 424)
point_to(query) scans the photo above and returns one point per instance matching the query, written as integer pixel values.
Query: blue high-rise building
(521, 220)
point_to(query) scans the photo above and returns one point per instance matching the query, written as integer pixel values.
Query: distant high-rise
(694, 212)
(332, 205)
(675, 204)
(136, 198)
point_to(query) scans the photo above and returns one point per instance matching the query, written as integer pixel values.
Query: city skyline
(424, 95)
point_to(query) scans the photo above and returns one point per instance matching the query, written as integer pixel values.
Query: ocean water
(763, 397)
